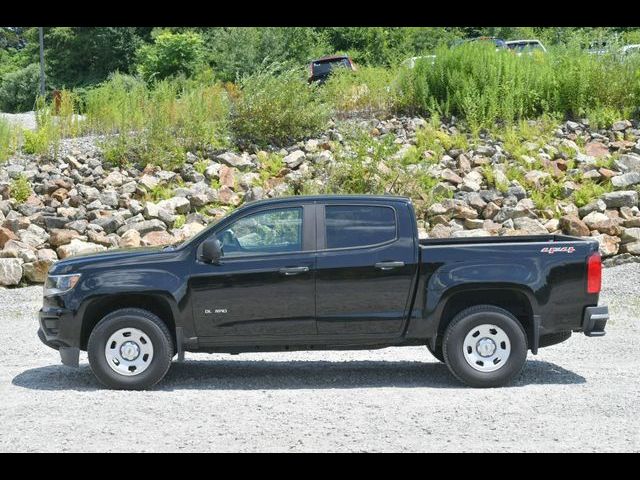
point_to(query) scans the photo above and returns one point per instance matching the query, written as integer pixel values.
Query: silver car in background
(526, 46)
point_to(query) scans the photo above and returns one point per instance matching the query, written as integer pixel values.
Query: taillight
(594, 273)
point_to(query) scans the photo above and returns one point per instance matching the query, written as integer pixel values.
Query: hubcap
(486, 348)
(129, 351)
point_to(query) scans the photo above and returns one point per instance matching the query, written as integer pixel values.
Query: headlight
(57, 284)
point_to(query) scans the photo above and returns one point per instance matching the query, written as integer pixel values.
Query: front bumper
(594, 321)
(59, 331)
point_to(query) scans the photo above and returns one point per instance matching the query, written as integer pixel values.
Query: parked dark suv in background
(320, 68)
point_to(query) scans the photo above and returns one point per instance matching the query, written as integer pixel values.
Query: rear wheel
(130, 349)
(485, 346)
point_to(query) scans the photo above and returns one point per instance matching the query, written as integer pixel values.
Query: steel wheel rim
(129, 351)
(486, 348)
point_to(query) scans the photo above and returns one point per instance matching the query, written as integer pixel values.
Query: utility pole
(41, 35)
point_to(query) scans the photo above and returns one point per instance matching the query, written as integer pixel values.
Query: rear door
(366, 265)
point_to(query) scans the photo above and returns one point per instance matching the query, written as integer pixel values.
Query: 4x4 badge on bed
(552, 250)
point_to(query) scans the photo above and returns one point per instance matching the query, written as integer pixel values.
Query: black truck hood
(108, 258)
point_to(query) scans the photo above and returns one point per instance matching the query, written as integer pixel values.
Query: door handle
(388, 265)
(293, 270)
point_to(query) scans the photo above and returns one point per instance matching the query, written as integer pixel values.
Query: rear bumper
(594, 321)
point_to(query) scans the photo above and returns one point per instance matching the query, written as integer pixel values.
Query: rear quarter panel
(553, 282)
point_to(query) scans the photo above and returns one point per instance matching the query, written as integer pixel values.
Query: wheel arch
(97, 308)
(516, 299)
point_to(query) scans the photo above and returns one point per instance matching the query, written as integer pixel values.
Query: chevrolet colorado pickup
(323, 273)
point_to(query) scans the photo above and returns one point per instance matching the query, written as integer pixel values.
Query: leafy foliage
(20, 189)
(19, 89)
(277, 107)
(171, 54)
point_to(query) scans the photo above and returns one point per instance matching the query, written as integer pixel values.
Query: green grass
(9, 140)
(366, 91)
(589, 191)
(484, 87)
(270, 165)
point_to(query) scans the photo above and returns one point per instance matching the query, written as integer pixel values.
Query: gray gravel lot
(582, 395)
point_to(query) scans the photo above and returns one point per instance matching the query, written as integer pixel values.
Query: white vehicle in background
(630, 50)
(526, 46)
(411, 62)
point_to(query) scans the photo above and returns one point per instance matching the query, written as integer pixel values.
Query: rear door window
(359, 225)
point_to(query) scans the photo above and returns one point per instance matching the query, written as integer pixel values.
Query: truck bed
(500, 239)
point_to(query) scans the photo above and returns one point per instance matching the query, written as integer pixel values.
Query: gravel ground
(581, 396)
(25, 120)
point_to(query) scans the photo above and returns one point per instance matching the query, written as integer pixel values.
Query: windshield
(323, 67)
(524, 46)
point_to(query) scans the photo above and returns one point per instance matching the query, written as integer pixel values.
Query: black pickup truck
(323, 273)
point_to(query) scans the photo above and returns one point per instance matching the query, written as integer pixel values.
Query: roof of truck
(297, 198)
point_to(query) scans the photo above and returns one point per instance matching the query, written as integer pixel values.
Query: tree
(171, 54)
(79, 56)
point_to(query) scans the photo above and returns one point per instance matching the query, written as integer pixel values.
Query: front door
(265, 283)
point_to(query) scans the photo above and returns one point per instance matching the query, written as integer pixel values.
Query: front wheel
(485, 346)
(130, 349)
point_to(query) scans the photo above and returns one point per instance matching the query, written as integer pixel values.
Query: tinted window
(358, 225)
(271, 231)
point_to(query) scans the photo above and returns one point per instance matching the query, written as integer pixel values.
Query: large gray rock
(33, 235)
(294, 159)
(628, 163)
(79, 247)
(114, 179)
(109, 223)
(623, 198)
(477, 232)
(143, 227)
(36, 272)
(608, 245)
(175, 205)
(626, 180)
(233, 160)
(633, 248)
(630, 235)
(529, 225)
(10, 271)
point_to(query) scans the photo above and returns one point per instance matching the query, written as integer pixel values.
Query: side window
(271, 231)
(359, 225)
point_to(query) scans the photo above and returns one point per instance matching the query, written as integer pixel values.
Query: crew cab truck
(323, 273)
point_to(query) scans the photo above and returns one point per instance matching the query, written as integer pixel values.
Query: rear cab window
(349, 226)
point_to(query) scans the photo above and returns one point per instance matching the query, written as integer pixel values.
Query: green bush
(171, 54)
(277, 108)
(485, 86)
(18, 89)
(20, 189)
(48, 131)
(157, 124)
(367, 90)
(8, 139)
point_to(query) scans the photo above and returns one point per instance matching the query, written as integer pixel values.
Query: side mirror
(212, 251)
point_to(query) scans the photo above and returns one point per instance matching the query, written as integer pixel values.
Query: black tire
(466, 321)
(437, 351)
(148, 323)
